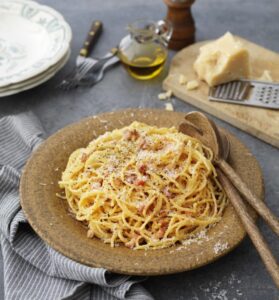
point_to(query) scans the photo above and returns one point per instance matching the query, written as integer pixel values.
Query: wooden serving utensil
(199, 126)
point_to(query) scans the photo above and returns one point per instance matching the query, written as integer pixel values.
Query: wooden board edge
(222, 116)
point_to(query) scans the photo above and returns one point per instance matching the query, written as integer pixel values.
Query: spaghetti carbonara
(144, 187)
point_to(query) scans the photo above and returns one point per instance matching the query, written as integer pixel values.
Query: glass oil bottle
(144, 51)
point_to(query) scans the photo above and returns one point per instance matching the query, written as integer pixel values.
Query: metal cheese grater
(247, 92)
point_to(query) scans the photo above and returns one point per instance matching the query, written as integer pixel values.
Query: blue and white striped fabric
(33, 270)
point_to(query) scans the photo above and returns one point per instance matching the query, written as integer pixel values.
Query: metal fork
(76, 75)
(96, 73)
(83, 62)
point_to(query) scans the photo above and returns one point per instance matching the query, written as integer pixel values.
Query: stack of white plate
(34, 44)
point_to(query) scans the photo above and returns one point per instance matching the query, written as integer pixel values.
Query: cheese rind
(222, 61)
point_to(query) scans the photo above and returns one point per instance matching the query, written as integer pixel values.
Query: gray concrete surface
(241, 274)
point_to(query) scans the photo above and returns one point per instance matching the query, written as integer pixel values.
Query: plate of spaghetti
(127, 192)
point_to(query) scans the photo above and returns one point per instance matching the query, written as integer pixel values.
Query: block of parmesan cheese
(222, 60)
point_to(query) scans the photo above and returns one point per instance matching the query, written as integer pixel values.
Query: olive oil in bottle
(143, 52)
(146, 65)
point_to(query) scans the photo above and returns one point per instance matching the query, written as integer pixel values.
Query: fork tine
(96, 66)
(72, 80)
(67, 83)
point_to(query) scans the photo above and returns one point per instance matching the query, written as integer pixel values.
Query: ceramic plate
(49, 217)
(36, 80)
(33, 37)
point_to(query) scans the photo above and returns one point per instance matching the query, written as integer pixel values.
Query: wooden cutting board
(260, 122)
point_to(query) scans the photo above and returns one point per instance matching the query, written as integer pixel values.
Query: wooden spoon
(199, 126)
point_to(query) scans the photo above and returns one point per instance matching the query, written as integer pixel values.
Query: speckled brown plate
(48, 215)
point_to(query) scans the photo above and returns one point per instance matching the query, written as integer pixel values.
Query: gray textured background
(241, 274)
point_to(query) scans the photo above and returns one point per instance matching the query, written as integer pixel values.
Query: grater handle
(256, 203)
(251, 228)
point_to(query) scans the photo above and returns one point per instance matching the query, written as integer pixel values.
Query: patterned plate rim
(57, 56)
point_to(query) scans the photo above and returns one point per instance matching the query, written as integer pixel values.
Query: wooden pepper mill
(180, 16)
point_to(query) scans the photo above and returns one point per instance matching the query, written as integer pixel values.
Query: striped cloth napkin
(32, 269)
